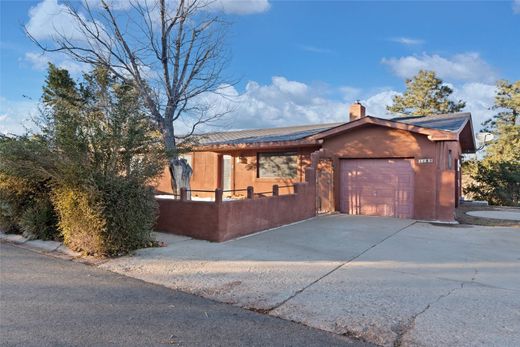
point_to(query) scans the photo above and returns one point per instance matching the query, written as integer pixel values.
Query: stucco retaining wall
(223, 220)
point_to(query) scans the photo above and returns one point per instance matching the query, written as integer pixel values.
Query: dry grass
(463, 218)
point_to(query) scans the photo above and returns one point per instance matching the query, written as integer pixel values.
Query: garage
(377, 187)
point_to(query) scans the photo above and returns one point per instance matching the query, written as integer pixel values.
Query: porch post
(218, 195)
(250, 192)
(276, 190)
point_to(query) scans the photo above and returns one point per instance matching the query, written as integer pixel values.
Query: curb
(55, 248)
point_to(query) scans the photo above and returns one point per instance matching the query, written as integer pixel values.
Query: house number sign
(425, 161)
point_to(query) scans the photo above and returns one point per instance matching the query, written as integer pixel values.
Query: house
(402, 167)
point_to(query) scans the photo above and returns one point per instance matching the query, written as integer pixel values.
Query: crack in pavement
(471, 281)
(404, 329)
(299, 291)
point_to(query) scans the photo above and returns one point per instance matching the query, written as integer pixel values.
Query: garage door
(377, 187)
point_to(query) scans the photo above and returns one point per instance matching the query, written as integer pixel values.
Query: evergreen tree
(92, 160)
(425, 95)
(496, 178)
(507, 103)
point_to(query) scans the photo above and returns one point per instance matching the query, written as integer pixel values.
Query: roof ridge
(441, 115)
(273, 128)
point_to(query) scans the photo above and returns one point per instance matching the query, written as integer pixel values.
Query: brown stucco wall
(434, 191)
(244, 173)
(205, 175)
(220, 221)
(198, 219)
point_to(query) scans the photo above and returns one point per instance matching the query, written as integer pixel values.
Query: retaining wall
(223, 220)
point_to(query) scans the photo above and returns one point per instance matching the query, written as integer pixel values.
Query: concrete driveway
(389, 281)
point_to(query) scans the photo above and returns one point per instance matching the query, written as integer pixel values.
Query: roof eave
(257, 145)
(473, 146)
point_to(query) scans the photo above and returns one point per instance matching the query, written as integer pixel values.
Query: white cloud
(350, 94)
(407, 41)
(479, 98)
(314, 49)
(516, 6)
(376, 104)
(15, 116)
(284, 102)
(48, 18)
(468, 67)
(280, 103)
(40, 61)
(241, 7)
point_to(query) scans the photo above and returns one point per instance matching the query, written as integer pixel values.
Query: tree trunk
(180, 172)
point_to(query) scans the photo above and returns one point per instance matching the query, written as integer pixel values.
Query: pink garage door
(377, 187)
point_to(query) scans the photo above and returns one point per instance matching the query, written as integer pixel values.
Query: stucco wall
(205, 175)
(220, 221)
(244, 173)
(434, 191)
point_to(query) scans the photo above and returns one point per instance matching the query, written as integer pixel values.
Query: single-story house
(401, 167)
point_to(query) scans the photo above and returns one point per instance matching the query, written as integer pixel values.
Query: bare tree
(173, 50)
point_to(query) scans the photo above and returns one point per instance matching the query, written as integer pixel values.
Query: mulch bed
(463, 218)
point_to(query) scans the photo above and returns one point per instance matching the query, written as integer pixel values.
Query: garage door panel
(377, 187)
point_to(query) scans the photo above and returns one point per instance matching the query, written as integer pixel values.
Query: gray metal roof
(264, 135)
(449, 122)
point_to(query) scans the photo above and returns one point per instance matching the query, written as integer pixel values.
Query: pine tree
(507, 103)
(425, 95)
(497, 176)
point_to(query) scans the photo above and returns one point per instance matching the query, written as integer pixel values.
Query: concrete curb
(49, 247)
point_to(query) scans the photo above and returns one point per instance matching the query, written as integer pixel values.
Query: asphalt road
(45, 301)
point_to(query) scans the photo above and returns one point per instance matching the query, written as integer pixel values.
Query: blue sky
(306, 61)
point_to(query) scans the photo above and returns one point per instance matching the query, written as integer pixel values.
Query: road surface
(47, 301)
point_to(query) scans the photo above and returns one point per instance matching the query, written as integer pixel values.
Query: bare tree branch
(173, 52)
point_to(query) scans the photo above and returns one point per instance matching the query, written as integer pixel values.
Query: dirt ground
(463, 218)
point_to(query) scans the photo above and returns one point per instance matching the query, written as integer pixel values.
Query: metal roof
(264, 135)
(449, 122)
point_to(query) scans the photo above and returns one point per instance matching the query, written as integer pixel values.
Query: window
(281, 164)
(450, 159)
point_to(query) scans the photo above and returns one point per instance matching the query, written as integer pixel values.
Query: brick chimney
(356, 111)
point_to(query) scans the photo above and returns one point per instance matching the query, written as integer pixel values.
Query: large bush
(39, 220)
(14, 195)
(112, 219)
(25, 205)
(96, 151)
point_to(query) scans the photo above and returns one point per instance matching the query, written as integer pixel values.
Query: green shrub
(86, 170)
(25, 207)
(38, 220)
(113, 219)
(13, 196)
(7, 218)
(80, 219)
